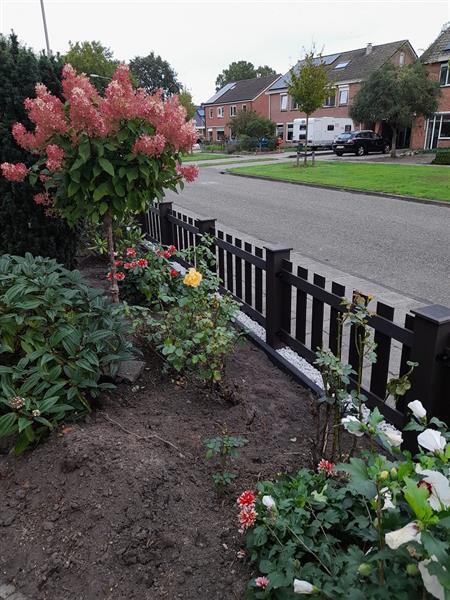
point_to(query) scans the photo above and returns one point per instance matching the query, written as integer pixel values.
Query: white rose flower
(440, 488)
(303, 587)
(417, 409)
(408, 533)
(353, 425)
(269, 502)
(387, 496)
(431, 440)
(394, 437)
(431, 582)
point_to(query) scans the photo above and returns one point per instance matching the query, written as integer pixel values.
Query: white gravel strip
(302, 365)
(251, 325)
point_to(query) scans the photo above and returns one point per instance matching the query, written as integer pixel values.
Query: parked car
(359, 143)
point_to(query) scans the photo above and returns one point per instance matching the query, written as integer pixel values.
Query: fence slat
(258, 283)
(334, 344)
(317, 316)
(238, 266)
(300, 310)
(220, 259)
(380, 370)
(248, 277)
(230, 278)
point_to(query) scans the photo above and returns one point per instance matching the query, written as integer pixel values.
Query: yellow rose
(192, 278)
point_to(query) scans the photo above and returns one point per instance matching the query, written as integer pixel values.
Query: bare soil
(106, 510)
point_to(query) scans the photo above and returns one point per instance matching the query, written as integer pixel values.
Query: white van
(321, 130)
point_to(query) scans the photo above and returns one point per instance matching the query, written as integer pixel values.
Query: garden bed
(105, 510)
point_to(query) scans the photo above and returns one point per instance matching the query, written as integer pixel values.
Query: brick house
(247, 94)
(346, 71)
(435, 132)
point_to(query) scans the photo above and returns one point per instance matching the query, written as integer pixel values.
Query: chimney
(368, 49)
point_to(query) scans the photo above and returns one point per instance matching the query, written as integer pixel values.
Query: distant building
(346, 72)
(435, 132)
(247, 94)
(199, 119)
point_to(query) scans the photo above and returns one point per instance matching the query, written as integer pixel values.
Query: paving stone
(6, 590)
(17, 596)
(130, 371)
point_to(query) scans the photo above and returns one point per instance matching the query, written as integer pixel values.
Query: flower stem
(114, 288)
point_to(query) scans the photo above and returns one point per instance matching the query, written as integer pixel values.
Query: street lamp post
(45, 28)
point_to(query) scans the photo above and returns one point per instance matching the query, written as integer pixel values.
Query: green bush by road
(428, 182)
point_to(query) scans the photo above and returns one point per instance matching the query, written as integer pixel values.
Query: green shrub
(127, 233)
(59, 341)
(371, 529)
(442, 157)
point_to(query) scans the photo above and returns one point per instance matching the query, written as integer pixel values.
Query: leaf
(7, 423)
(417, 498)
(73, 188)
(102, 209)
(84, 150)
(359, 478)
(106, 166)
(101, 191)
(433, 546)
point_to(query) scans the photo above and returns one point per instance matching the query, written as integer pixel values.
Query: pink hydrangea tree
(101, 157)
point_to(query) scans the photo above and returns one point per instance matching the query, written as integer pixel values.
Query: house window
(445, 127)
(330, 101)
(330, 127)
(401, 60)
(283, 102)
(280, 130)
(289, 132)
(444, 78)
(244, 108)
(294, 104)
(232, 111)
(220, 135)
(220, 111)
(343, 97)
(211, 113)
(342, 65)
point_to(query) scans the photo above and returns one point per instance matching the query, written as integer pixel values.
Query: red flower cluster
(262, 582)
(247, 515)
(326, 465)
(174, 273)
(43, 199)
(167, 253)
(118, 276)
(131, 252)
(190, 173)
(151, 145)
(12, 172)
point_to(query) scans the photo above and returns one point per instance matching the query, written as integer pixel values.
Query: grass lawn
(430, 182)
(238, 161)
(204, 156)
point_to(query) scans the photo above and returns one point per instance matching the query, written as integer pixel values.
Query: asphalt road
(404, 246)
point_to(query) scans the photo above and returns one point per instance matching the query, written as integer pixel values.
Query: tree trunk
(114, 288)
(394, 142)
(306, 141)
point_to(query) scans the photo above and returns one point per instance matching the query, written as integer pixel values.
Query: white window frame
(233, 110)
(284, 100)
(287, 131)
(401, 60)
(447, 81)
(442, 115)
(341, 90)
(220, 112)
(325, 105)
(211, 113)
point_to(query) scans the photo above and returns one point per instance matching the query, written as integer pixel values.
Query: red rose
(173, 273)
(120, 276)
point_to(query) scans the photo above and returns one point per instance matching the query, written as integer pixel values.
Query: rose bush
(373, 528)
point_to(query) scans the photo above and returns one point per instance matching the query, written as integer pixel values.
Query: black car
(359, 143)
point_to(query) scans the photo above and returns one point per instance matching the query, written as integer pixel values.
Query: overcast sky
(200, 39)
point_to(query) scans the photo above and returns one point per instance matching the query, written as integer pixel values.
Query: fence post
(277, 300)
(142, 219)
(165, 209)
(208, 226)
(430, 381)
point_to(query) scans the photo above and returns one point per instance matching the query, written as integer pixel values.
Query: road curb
(341, 189)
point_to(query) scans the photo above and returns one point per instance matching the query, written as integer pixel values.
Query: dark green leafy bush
(59, 343)
(442, 157)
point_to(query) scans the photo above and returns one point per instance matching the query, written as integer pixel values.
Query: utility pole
(45, 28)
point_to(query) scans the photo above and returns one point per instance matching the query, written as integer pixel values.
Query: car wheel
(360, 151)
(386, 149)
(339, 153)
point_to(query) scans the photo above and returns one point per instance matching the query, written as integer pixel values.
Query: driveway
(385, 245)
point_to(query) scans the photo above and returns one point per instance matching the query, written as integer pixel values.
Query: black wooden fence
(298, 311)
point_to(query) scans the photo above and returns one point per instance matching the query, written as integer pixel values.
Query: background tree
(152, 72)
(92, 58)
(24, 226)
(309, 88)
(239, 70)
(396, 96)
(250, 124)
(185, 98)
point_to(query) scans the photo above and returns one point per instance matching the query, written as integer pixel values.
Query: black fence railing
(297, 311)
